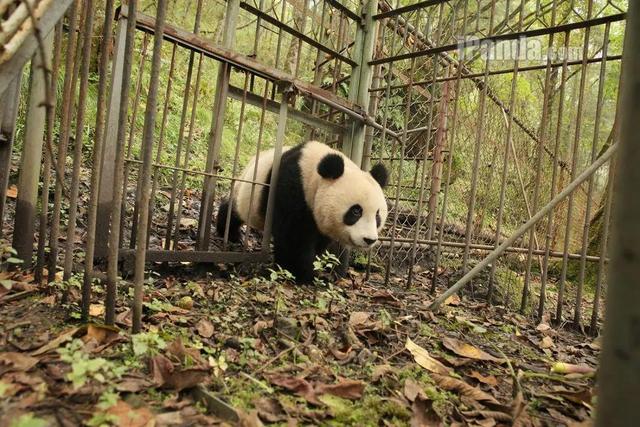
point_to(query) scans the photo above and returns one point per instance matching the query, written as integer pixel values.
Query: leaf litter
(278, 353)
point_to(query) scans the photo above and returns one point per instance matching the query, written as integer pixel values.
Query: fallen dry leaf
(205, 328)
(467, 350)
(96, 310)
(102, 334)
(423, 414)
(129, 417)
(380, 371)
(423, 358)
(360, 322)
(462, 388)
(12, 191)
(412, 390)
(166, 375)
(131, 384)
(270, 409)
(11, 361)
(62, 338)
(490, 380)
(496, 415)
(344, 388)
(581, 397)
(546, 342)
(299, 386)
(453, 300)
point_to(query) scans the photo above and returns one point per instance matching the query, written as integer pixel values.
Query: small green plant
(147, 343)
(84, 368)
(326, 263)
(280, 275)
(28, 420)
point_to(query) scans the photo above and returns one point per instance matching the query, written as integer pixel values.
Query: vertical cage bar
(98, 147)
(577, 319)
(554, 181)
(147, 158)
(74, 51)
(217, 127)
(48, 153)
(275, 169)
(26, 203)
(8, 122)
(87, 32)
(574, 166)
(122, 84)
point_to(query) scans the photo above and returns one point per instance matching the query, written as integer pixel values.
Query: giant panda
(321, 196)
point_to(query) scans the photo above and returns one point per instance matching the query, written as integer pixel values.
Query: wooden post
(619, 376)
(31, 160)
(8, 118)
(105, 198)
(217, 127)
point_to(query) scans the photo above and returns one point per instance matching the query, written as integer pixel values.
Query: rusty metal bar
(46, 165)
(496, 253)
(274, 107)
(87, 33)
(98, 148)
(504, 71)
(504, 37)
(74, 51)
(145, 173)
(594, 147)
(217, 125)
(574, 165)
(187, 156)
(275, 169)
(8, 122)
(604, 249)
(198, 256)
(121, 82)
(236, 154)
(263, 112)
(478, 144)
(410, 8)
(26, 203)
(105, 191)
(554, 181)
(403, 242)
(159, 149)
(423, 171)
(273, 21)
(345, 10)
(454, 129)
(183, 122)
(199, 44)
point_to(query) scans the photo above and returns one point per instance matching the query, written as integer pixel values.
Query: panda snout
(369, 241)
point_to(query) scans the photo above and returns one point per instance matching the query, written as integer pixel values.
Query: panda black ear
(331, 166)
(379, 173)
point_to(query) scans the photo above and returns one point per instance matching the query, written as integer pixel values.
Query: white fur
(327, 199)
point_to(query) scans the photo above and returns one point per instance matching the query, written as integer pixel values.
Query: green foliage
(28, 420)
(84, 368)
(147, 343)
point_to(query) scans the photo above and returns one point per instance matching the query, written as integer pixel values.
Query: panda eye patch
(353, 215)
(378, 219)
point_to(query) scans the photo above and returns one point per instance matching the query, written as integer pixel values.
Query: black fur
(234, 224)
(331, 166)
(296, 238)
(379, 173)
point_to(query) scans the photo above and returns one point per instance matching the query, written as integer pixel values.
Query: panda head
(350, 206)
